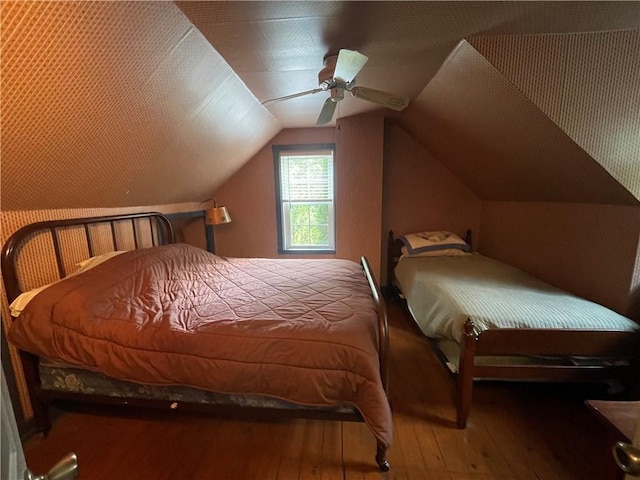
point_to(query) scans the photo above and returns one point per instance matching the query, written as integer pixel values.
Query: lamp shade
(217, 216)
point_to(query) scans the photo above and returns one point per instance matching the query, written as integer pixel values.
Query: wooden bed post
(390, 260)
(465, 373)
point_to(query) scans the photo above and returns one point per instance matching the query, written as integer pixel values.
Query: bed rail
(383, 325)
(160, 227)
(589, 355)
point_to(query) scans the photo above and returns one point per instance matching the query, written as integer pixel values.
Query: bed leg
(41, 416)
(381, 458)
(40, 407)
(464, 388)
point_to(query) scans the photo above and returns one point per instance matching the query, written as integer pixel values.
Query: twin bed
(489, 320)
(173, 326)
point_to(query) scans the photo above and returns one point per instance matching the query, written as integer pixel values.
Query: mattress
(443, 292)
(60, 377)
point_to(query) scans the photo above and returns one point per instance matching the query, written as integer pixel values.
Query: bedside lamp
(216, 215)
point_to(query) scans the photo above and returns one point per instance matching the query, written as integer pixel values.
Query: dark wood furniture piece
(159, 228)
(620, 419)
(618, 350)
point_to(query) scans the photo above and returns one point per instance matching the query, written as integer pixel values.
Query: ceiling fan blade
(348, 65)
(293, 95)
(389, 100)
(326, 114)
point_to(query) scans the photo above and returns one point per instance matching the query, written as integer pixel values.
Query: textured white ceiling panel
(406, 42)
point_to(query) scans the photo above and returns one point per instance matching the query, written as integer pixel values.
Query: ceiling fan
(338, 75)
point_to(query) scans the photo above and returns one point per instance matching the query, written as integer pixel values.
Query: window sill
(307, 252)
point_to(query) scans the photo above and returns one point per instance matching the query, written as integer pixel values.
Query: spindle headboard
(139, 229)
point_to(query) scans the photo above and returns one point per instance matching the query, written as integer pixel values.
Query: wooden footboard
(589, 355)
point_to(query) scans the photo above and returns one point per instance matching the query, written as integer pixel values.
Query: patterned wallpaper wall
(589, 250)
(587, 83)
(499, 143)
(634, 289)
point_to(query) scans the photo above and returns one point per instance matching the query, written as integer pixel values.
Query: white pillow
(21, 301)
(445, 252)
(18, 305)
(95, 261)
(433, 241)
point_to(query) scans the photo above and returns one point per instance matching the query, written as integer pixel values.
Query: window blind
(307, 178)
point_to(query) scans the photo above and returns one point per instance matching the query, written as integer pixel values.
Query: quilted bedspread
(300, 330)
(442, 292)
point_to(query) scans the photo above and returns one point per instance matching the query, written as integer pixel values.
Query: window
(305, 198)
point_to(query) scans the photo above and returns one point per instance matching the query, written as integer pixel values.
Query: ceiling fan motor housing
(325, 76)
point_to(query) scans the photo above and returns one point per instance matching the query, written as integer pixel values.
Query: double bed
(489, 320)
(173, 326)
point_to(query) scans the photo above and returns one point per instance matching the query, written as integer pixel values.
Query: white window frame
(283, 206)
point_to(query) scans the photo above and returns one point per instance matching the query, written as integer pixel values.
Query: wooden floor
(515, 431)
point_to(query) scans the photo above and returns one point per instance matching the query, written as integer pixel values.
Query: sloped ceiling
(277, 48)
(587, 84)
(118, 104)
(501, 144)
(108, 104)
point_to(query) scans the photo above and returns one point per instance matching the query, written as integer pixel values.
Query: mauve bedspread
(300, 330)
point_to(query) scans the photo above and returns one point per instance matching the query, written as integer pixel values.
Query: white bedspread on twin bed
(442, 292)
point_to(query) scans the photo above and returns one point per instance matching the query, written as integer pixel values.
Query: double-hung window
(305, 198)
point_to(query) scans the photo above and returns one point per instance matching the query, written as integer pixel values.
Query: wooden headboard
(136, 230)
(394, 246)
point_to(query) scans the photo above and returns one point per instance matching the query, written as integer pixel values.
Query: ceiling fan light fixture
(337, 94)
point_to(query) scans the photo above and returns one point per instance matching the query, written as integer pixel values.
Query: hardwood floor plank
(367, 446)
(221, 458)
(291, 454)
(331, 462)
(354, 458)
(311, 465)
(409, 449)
(429, 448)
(259, 444)
(461, 455)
